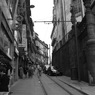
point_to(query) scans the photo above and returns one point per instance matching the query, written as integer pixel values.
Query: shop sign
(24, 31)
(21, 50)
(20, 45)
(24, 43)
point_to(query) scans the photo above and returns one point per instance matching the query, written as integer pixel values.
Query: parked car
(46, 69)
(53, 72)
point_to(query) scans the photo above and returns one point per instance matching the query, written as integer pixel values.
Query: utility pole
(49, 54)
(76, 67)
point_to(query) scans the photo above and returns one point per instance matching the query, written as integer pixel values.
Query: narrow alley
(47, 47)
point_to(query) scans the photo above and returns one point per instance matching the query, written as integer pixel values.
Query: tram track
(73, 87)
(42, 86)
(65, 89)
(82, 93)
(44, 90)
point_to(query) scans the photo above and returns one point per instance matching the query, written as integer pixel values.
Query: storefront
(5, 47)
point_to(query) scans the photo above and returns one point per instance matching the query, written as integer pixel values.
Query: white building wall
(67, 15)
(59, 23)
(78, 4)
(57, 33)
(62, 8)
(54, 36)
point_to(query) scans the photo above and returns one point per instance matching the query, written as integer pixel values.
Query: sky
(42, 11)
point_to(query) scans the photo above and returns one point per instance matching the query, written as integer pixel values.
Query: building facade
(25, 25)
(8, 42)
(16, 30)
(75, 55)
(58, 30)
(70, 55)
(42, 53)
(62, 24)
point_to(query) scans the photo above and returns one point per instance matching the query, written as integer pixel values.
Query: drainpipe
(76, 69)
(63, 18)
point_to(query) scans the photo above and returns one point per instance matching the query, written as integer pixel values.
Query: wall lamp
(31, 6)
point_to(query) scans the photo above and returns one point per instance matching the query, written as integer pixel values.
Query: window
(5, 41)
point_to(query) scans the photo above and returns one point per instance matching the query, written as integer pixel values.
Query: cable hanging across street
(49, 22)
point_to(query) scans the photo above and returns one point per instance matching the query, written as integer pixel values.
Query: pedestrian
(21, 72)
(10, 74)
(30, 71)
(39, 70)
(4, 81)
(25, 71)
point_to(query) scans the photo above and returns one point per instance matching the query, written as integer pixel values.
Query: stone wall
(65, 59)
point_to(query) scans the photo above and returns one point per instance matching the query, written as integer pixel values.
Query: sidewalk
(28, 86)
(82, 86)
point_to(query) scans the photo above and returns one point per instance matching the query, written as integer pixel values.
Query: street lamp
(31, 6)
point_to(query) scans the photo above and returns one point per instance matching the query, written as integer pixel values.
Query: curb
(14, 84)
(85, 93)
(75, 88)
